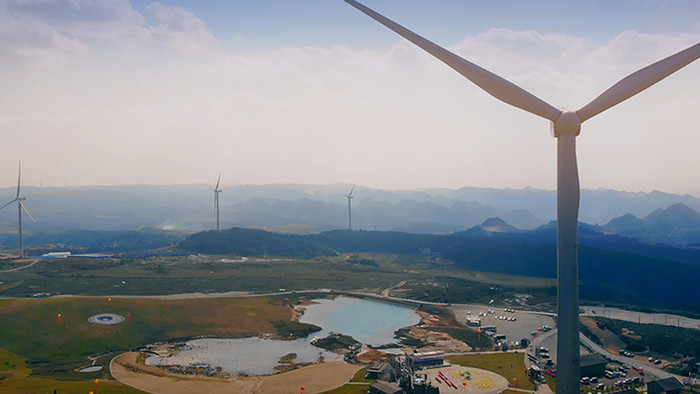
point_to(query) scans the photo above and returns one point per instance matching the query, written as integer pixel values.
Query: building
(376, 370)
(427, 359)
(593, 365)
(668, 386)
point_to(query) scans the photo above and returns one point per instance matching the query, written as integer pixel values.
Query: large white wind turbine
(566, 126)
(349, 197)
(216, 201)
(20, 207)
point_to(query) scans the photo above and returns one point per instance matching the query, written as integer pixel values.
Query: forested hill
(612, 268)
(249, 242)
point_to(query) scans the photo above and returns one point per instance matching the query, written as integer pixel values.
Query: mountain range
(677, 224)
(316, 208)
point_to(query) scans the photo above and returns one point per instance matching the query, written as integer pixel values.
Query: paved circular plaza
(106, 319)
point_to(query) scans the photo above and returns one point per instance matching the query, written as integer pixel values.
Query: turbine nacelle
(567, 123)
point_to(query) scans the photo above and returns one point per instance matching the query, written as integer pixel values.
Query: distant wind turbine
(349, 197)
(565, 126)
(20, 207)
(216, 201)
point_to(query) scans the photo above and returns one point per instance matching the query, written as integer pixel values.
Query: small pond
(369, 322)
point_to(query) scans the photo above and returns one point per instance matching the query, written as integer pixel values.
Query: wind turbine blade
(8, 203)
(353, 188)
(217, 182)
(638, 81)
(19, 178)
(26, 211)
(491, 83)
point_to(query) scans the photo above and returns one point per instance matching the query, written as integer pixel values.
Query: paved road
(548, 339)
(649, 369)
(641, 317)
(22, 267)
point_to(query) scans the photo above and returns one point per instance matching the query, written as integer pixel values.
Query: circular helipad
(106, 319)
(458, 379)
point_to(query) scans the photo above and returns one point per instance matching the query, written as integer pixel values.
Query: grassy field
(57, 345)
(508, 365)
(15, 378)
(360, 376)
(423, 277)
(350, 389)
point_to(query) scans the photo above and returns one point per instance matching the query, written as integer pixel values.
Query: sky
(315, 92)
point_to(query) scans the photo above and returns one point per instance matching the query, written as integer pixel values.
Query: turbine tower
(566, 126)
(349, 197)
(20, 207)
(216, 201)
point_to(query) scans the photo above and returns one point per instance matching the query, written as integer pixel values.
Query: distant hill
(675, 225)
(91, 241)
(489, 226)
(319, 207)
(612, 268)
(248, 242)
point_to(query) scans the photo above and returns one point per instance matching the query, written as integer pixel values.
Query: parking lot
(524, 324)
(516, 325)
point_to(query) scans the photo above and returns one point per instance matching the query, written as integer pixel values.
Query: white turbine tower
(566, 126)
(349, 197)
(20, 207)
(216, 201)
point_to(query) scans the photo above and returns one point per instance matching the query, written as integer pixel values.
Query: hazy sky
(313, 91)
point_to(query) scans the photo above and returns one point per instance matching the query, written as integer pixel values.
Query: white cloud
(179, 28)
(51, 31)
(393, 118)
(630, 51)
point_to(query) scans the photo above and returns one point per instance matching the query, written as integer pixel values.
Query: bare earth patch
(611, 342)
(426, 332)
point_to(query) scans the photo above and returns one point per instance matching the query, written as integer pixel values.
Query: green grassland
(655, 339)
(15, 378)
(359, 376)
(350, 389)
(426, 278)
(56, 346)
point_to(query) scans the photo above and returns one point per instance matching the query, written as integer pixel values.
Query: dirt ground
(129, 368)
(610, 341)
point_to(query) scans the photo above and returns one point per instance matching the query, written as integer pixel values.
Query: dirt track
(128, 368)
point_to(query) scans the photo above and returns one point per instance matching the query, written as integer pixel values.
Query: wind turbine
(216, 201)
(566, 126)
(349, 197)
(20, 207)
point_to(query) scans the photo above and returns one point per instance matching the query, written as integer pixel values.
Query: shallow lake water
(369, 322)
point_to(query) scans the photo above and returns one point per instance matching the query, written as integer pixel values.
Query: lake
(369, 322)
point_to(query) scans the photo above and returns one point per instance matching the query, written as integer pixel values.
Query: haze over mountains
(653, 217)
